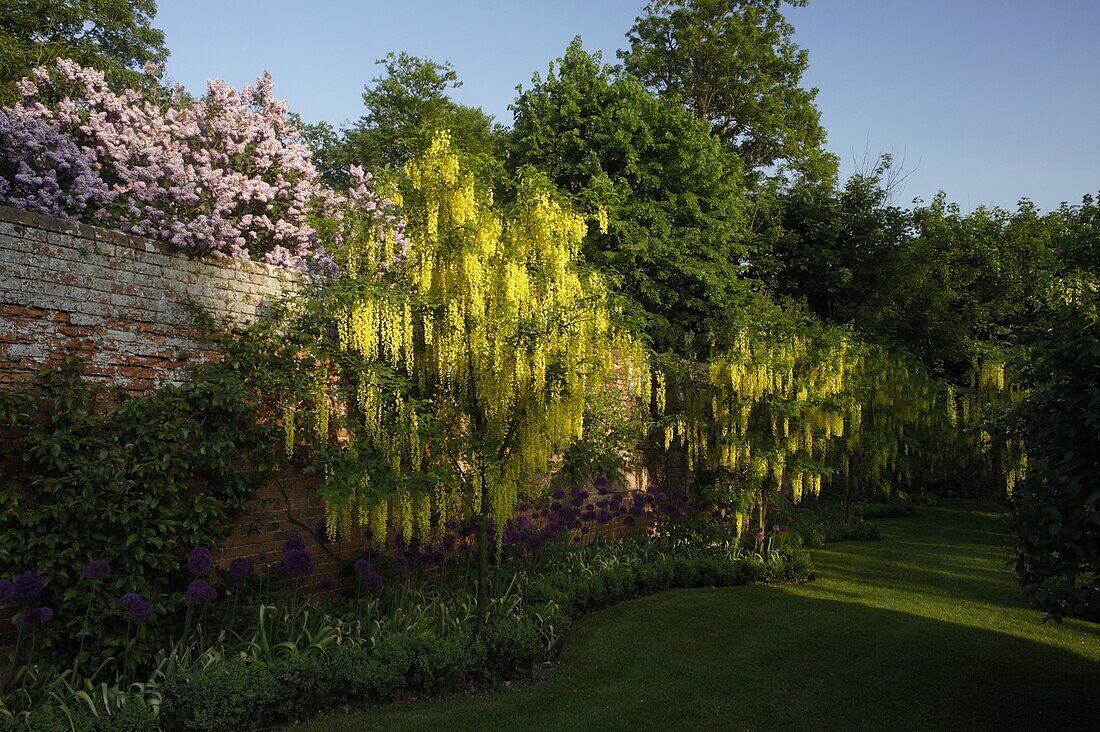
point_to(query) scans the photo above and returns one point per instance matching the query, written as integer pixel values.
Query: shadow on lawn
(761, 658)
(924, 630)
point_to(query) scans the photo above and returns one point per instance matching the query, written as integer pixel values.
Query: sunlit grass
(924, 630)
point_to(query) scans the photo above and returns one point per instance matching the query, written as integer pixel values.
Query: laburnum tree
(667, 214)
(735, 64)
(448, 365)
(113, 36)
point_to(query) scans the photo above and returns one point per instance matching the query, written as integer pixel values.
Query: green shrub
(513, 649)
(1055, 512)
(227, 695)
(166, 465)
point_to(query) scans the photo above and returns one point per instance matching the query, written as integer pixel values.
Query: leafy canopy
(406, 106)
(665, 202)
(114, 36)
(734, 64)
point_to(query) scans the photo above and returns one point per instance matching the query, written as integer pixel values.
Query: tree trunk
(848, 496)
(482, 564)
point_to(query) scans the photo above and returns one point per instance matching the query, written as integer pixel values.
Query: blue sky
(988, 100)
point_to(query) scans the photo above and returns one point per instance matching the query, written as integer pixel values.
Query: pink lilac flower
(223, 175)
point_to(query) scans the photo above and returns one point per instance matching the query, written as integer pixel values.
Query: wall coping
(42, 222)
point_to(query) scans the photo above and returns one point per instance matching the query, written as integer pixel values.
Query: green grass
(924, 630)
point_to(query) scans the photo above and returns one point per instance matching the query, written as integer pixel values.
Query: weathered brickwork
(124, 304)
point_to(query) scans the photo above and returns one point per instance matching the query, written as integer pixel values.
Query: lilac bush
(223, 175)
(43, 171)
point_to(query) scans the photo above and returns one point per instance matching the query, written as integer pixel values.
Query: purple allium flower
(371, 581)
(759, 537)
(135, 608)
(523, 522)
(559, 494)
(448, 543)
(662, 497)
(7, 589)
(362, 567)
(399, 564)
(601, 480)
(297, 563)
(97, 570)
(28, 586)
(200, 562)
(239, 568)
(261, 557)
(521, 505)
(33, 616)
(604, 516)
(294, 543)
(602, 543)
(199, 592)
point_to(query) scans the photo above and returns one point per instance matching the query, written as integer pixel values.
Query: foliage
(611, 443)
(947, 287)
(406, 107)
(1056, 512)
(880, 617)
(793, 405)
(223, 690)
(463, 368)
(224, 175)
(167, 466)
(832, 248)
(667, 222)
(116, 38)
(735, 65)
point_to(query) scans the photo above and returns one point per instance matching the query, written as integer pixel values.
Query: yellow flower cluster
(496, 322)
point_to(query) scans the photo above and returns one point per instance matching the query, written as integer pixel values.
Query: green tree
(675, 231)
(948, 287)
(734, 63)
(406, 106)
(114, 36)
(1056, 511)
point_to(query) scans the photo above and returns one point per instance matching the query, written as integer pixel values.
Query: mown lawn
(923, 630)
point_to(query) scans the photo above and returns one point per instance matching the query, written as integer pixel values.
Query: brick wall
(121, 302)
(124, 305)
